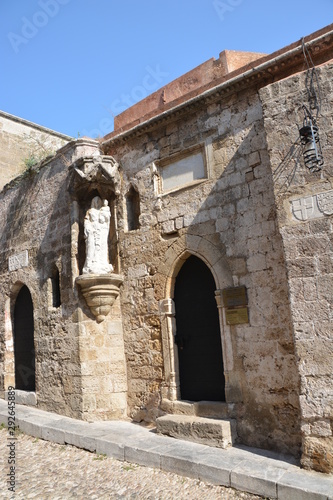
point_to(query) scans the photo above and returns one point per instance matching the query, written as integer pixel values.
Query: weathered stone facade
(216, 174)
(305, 206)
(229, 222)
(22, 141)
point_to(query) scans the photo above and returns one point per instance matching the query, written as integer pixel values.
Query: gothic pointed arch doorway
(24, 350)
(198, 333)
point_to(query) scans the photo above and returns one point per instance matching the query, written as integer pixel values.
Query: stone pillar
(102, 363)
(233, 393)
(171, 389)
(103, 366)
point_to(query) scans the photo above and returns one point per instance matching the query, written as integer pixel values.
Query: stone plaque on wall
(18, 260)
(235, 296)
(325, 202)
(235, 302)
(313, 206)
(183, 171)
(237, 316)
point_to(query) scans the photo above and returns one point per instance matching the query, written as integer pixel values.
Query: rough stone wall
(21, 140)
(79, 364)
(233, 213)
(102, 364)
(34, 217)
(305, 208)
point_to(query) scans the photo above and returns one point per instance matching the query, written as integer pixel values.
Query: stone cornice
(268, 69)
(46, 130)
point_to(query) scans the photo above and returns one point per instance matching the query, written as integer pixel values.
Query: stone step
(220, 433)
(210, 409)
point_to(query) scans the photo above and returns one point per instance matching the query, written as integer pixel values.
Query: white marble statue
(96, 234)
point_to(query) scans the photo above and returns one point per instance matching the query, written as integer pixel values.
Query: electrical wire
(311, 82)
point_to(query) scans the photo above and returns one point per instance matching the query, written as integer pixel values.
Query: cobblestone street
(47, 470)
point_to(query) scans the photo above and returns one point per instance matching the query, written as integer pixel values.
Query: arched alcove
(84, 205)
(55, 287)
(132, 209)
(24, 349)
(93, 176)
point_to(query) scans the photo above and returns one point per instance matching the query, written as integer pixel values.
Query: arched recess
(132, 199)
(198, 337)
(55, 291)
(175, 257)
(23, 335)
(93, 176)
(84, 206)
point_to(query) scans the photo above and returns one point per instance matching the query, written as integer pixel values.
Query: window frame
(165, 162)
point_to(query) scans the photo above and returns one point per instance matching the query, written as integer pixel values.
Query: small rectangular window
(184, 171)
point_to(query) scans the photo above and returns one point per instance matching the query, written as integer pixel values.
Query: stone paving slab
(246, 469)
(299, 486)
(256, 476)
(50, 471)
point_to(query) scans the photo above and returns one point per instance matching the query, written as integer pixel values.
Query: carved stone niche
(94, 188)
(94, 171)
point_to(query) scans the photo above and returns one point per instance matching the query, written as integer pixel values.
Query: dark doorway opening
(198, 334)
(24, 350)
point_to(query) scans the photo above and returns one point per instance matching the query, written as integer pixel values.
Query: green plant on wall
(30, 162)
(39, 151)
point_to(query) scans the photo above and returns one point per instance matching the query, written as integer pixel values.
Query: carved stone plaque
(235, 296)
(313, 206)
(237, 316)
(18, 260)
(304, 208)
(325, 202)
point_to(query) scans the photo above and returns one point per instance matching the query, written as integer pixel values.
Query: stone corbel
(100, 292)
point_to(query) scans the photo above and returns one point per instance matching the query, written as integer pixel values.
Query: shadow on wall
(238, 217)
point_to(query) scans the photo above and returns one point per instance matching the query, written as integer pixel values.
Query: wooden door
(24, 341)
(198, 334)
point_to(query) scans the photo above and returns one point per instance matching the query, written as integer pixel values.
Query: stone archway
(198, 336)
(24, 350)
(217, 264)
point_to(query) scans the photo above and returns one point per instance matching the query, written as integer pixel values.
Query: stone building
(215, 319)
(23, 144)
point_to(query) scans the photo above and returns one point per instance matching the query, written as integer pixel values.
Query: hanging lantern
(309, 136)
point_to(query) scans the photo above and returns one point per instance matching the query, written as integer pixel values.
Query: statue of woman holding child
(96, 235)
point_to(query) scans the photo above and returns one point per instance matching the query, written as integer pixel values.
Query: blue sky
(71, 65)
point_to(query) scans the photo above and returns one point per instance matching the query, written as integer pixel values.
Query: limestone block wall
(20, 140)
(305, 208)
(228, 220)
(79, 364)
(102, 366)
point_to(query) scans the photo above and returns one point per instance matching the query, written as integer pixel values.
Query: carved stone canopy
(90, 171)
